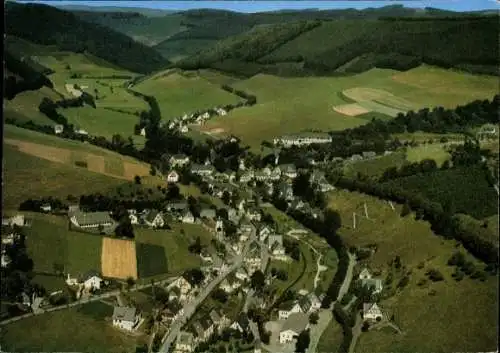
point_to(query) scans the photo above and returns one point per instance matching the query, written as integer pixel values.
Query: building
(230, 284)
(241, 324)
(318, 180)
(179, 160)
(187, 217)
(126, 318)
(288, 170)
(247, 176)
(202, 169)
(58, 129)
(183, 284)
(254, 214)
(293, 326)
(241, 274)
(203, 328)
(275, 244)
(208, 213)
(288, 308)
(264, 232)
(154, 219)
(92, 220)
(371, 311)
(178, 206)
(302, 139)
(219, 229)
(91, 280)
(369, 154)
(173, 177)
(253, 260)
(132, 215)
(185, 342)
(366, 279)
(285, 191)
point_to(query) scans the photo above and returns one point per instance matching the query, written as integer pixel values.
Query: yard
(460, 316)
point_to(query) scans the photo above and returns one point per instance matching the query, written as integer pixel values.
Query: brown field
(95, 163)
(118, 258)
(351, 109)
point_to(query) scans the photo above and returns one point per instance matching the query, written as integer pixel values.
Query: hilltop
(46, 25)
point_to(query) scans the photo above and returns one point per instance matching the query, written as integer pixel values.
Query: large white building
(126, 318)
(302, 139)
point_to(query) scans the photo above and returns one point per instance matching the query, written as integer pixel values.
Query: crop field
(286, 105)
(71, 330)
(151, 260)
(461, 316)
(351, 109)
(376, 166)
(178, 95)
(51, 245)
(118, 259)
(467, 188)
(436, 152)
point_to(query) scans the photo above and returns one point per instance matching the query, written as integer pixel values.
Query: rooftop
(296, 322)
(124, 313)
(84, 218)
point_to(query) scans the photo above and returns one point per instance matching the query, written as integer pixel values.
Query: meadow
(177, 94)
(151, 260)
(460, 316)
(466, 188)
(376, 166)
(436, 152)
(286, 105)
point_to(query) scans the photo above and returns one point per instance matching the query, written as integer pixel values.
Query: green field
(50, 243)
(151, 260)
(465, 187)
(332, 337)
(286, 105)
(178, 95)
(437, 152)
(70, 330)
(24, 106)
(461, 316)
(376, 166)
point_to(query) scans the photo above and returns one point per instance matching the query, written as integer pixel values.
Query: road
(190, 307)
(81, 302)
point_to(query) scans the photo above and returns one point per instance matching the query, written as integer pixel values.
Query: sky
(267, 5)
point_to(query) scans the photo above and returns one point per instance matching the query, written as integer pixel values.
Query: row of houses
(302, 139)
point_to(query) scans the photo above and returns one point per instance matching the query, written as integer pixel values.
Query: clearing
(118, 259)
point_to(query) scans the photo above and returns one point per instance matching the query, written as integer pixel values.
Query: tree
(195, 276)
(303, 341)
(196, 247)
(406, 209)
(332, 221)
(130, 282)
(226, 197)
(258, 281)
(313, 318)
(220, 295)
(152, 170)
(137, 180)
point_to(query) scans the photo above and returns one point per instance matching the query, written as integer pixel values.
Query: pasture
(461, 316)
(376, 166)
(118, 258)
(177, 94)
(285, 105)
(436, 152)
(151, 260)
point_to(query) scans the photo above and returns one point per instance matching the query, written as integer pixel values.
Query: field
(118, 258)
(376, 166)
(467, 188)
(351, 109)
(286, 105)
(436, 152)
(177, 94)
(151, 260)
(332, 337)
(70, 330)
(50, 244)
(460, 317)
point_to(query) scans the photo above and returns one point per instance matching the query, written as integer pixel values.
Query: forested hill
(325, 47)
(48, 25)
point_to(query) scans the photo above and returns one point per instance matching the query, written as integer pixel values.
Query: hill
(468, 42)
(42, 24)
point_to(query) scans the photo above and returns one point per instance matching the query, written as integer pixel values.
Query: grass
(69, 330)
(286, 105)
(306, 281)
(436, 152)
(96, 310)
(178, 95)
(462, 314)
(376, 166)
(50, 283)
(331, 338)
(465, 187)
(49, 242)
(151, 260)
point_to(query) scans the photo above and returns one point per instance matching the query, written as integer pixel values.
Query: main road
(190, 307)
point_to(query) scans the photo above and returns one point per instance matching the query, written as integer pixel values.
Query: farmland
(465, 309)
(376, 166)
(151, 260)
(177, 94)
(118, 258)
(465, 188)
(285, 105)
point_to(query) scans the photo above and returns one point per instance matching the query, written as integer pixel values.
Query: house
(208, 213)
(241, 274)
(58, 129)
(154, 219)
(356, 157)
(183, 284)
(253, 259)
(233, 216)
(172, 310)
(9, 239)
(81, 132)
(275, 244)
(17, 220)
(371, 311)
(293, 326)
(315, 302)
(247, 176)
(254, 214)
(143, 132)
(173, 177)
(92, 220)
(125, 317)
(242, 324)
(91, 280)
(275, 174)
(274, 238)
(369, 154)
(366, 280)
(365, 274)
(302, 139)
(187, 217)
(288, 170)
(178, 160)
(285, 191)
(288, 308)
(264, 232)
(184, 129)
(202, 169)
(5, 259)
(297, 204)
(185, 342)
(203, 328)
(132, 215)
(230, 283)
(218, 318)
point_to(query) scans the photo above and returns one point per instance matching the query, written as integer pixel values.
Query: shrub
(434, 275)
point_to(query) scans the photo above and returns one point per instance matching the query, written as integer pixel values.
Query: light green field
(428, 151)
(376, 166)
(462, 315)
(177, 94)
(49, 333)
(380, 108)
(290, 105)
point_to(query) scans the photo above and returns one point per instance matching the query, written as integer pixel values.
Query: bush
(81, 164)
(434, 275)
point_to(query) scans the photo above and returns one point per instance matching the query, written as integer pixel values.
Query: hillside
(468, 43)
(42, 24)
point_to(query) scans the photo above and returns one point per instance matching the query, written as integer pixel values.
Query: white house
(173, 177)
(264, 233)
(125, 317)
(247, 176)
(365, 274)
(184, 129)
(293, 326)
(143, 132)
(288, 308)
(92, 280)
(241, 324)
(203, 170)
(132, 215)
(17, 220)
(58, 129)
(185, 342)
(154, 219)
(178, 160)
(371, 311)
(5, 259)
(187, 217)
(288, 170)
(367, 280)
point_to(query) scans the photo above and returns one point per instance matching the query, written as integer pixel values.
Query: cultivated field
(177, 94)
(118, 259)
(352, 109)
(460, 316)
(286, 105)
(151, 260)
